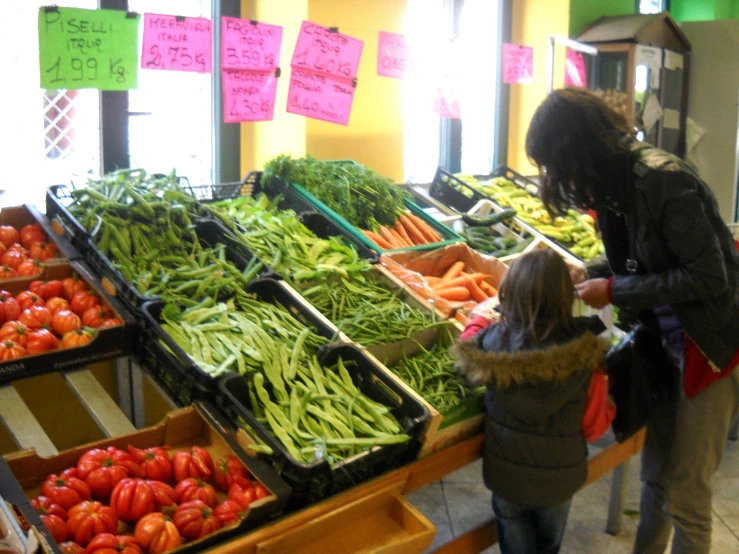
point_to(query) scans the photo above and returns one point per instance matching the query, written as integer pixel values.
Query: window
(652, 6)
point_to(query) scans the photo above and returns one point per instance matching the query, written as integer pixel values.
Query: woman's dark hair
(576, 140)
(537, 295)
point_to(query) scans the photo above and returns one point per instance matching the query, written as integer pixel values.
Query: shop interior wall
(585, 12)
(704, 10)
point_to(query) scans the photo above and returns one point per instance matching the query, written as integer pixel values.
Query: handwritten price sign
(247, 45)
(320, 96)
(575, 73)
(446, 102)
(248, 95)
(87, 49)
(322, 51)
(518, 64)
(177, 43)
(394, 57)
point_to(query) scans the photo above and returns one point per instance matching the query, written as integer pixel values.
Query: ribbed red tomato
(45, 506)
(227, 470)
(195, 489)
(112, 322)
(82, 301)
(52, 288)
(78, 337)
(65, 321)
(10, 350)
(9, 235)
(11, 307)
(156, 533)
(154, 462)
(195, 520)
(15, 331)
(35, 287)
(71, 547)
(30, 234)
(66, 489)
(260, 491)
(103, 469)
(88, 519)
(12, 258)
(73, 285)
(30, 268)
(35, 317)
(42, 251)
(195, 462)
(56, 526)
(164, 495)
(107, 543)
(26, 299)
(132, 499)
(95, 316)
(40, 341)
(229, 512)
(242, 493)
(56, 303)
(7, 273)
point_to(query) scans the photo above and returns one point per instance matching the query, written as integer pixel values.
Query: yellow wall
(533, 22)
(374, 135)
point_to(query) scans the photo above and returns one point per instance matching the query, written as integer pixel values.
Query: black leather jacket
(686, 256)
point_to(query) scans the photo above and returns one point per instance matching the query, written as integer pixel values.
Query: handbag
(644, 378)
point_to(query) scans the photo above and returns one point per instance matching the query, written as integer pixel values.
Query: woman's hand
(594, 292)
(486, 309)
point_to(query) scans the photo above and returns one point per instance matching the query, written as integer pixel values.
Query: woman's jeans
(530, 529)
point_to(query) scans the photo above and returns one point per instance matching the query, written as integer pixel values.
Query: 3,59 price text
(248, 57)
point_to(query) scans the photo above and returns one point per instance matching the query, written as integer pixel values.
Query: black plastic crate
(324, 227)
(58, 197)
(311, 482)
(180, 376)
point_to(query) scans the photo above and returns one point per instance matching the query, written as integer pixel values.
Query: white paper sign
(693, 135)
(652, 58)
(671, 119)
(673, 60)
(652, 113)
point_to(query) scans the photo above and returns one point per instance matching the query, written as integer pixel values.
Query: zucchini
(510, 242)
(488, 220)
(484, 231)
(520, 247)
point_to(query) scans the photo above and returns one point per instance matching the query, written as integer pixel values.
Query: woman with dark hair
(673, 264)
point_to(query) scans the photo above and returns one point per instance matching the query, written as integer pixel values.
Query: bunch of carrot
(408, 230)
(458, 286)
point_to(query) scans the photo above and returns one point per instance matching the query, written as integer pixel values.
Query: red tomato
(12, 259)
(90, 518)
(132, 499)
(71, 547)
(241, 494)
(107, 543)
(154, 462)
(229, 511)
(195, 520)
(46, 507)
(103, 469)
(40, 341)
(26, 299)
(65, 321)
(35, 317)
(30, 268)
(195, 462)
(42, 251)
(52, 288)
(112, 322)
(14, 331)
(83, 300)
(156, 533)
(56, 527)
(195, 489)
(164, 495)
(228, 469)
(57, 303)
(7, 273)
(260, 491)
(9, 235)
(95, 316)
(11, 307)
(30, 234)
(73, 285)
(78, 337)
(10, 350)
(35, 287)
(18, 247)
(65, 489)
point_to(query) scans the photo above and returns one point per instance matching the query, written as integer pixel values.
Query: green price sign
(88, 48)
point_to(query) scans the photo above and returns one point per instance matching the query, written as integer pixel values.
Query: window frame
(665, 6)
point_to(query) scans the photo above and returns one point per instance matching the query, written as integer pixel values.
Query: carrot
(458, 294)
(432, 280)
(453, 271)
(398, 227)
(378, 240)
(400, 240)
(475, 291)
(388, 236)
(460, 281)
(488, 288)
(413, 232)
(429, 234)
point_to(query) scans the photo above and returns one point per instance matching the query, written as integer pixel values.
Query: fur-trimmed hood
(536, 366)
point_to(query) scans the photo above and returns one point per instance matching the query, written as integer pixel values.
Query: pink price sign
(249, 45)
(320, 96)
(575, 73)
(394, 56)
(177, 43)
(518, 64)
(323, 51)
(248, 95)
(446, 103)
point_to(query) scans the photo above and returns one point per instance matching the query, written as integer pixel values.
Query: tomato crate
(197, 425)
(109, 342)
(17, 516)
(181, 377)
(314, 481)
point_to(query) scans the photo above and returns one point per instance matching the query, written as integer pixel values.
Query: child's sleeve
(475, 325)
(599, 408)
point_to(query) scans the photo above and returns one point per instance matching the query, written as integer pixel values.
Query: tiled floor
(460, 502)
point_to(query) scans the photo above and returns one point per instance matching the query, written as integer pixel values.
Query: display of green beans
(280, 240)
(432, 375)
(369, 311)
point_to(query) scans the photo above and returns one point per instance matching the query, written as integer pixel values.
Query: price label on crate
(250, 45)
(320, 96)
(323, 51)
(176, 43)
(518, 64)
(394, 56)
(87, 49)
(248, 95)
